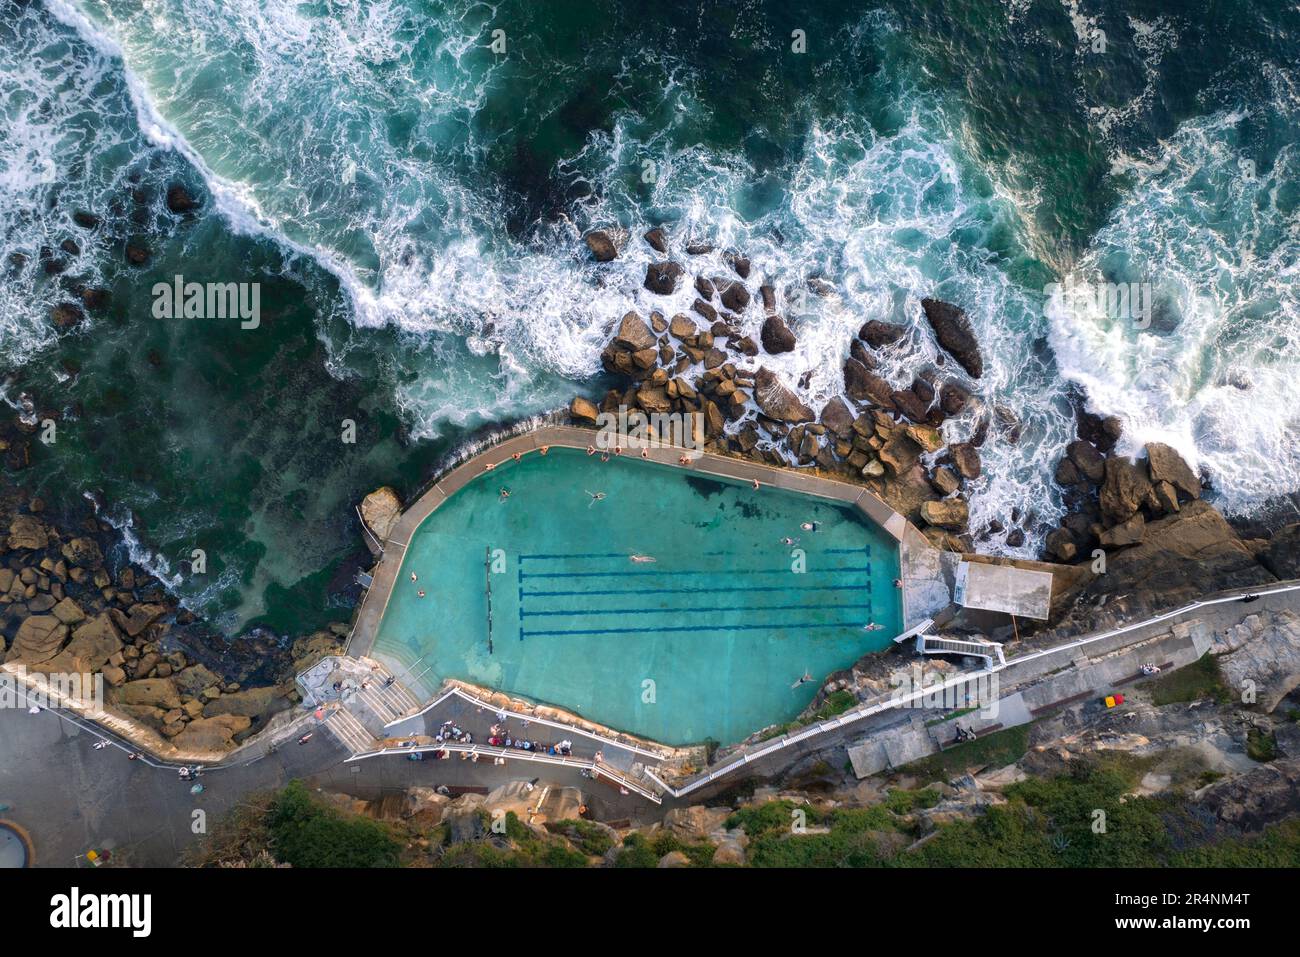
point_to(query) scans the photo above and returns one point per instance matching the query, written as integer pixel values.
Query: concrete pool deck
(926, 588)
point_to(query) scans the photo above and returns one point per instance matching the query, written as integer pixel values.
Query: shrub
(306, 833)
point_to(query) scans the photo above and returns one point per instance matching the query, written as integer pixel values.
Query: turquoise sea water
(412, 203)
(703, 642)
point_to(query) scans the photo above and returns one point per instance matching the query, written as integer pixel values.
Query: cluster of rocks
(63, 610)
(120, 230)
(885, 437)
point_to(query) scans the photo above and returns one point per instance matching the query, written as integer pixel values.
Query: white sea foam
(337, 149)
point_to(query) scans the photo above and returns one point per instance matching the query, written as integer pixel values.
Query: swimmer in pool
(505, 494)
(595, 497)
(806, 678)
(413, 576)
(789, 541)
(872, 626)
(810, 526)
(420, 593)
(641, 559)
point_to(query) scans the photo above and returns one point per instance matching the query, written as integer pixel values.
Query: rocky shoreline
(65, 606)
(1138, 536)
(70, 605)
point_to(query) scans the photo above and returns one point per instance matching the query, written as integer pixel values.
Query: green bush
(1260, 746)
(306, 833)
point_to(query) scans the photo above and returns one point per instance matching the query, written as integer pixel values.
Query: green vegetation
(1055, 822)
(993, 750)
(1261, 746)
(1087, 817)
(1197, 681)
(306, 833)
(836, 703)
(589, 838)
(842, 837)
(642, 851)
(950, 717)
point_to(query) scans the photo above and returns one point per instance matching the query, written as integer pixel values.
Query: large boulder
(149, 693)
(696, 822)
(1128, 532)
(1263, 650)
(380, 510)
(734, 296)
(862, 384)
(1164, 464)
(605, 243)
(206, 735)
(39, 638)
(83, 553)
(777, 401)
(776, 336)
(837, 417)
(966, 459)
(633, 334)
(1085, 457)
(1126, 489)
(950, 513)
(138, 617)
(583, 410)
(953, 331)
(1250, 802)
(251, 703)
(29, 532)
(663, 278)
(92, 645)
(879, 334)
(1282, 556)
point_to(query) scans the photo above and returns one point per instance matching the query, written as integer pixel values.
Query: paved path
(72, 797)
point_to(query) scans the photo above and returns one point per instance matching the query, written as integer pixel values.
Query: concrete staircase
(350, 732)
(990, 651)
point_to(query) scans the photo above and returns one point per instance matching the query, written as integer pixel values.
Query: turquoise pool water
(703, 642)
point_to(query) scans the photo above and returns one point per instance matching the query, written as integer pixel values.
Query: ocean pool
(706, 641)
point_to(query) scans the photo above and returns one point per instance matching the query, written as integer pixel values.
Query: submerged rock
(180, 200)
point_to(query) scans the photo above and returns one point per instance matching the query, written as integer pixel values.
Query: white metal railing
(515, 755)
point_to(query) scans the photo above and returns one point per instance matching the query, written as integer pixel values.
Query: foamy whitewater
(371, 141)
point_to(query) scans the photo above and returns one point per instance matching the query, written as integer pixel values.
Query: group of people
(450, 732)
(501, 738)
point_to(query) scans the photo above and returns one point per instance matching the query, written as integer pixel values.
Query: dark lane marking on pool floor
(693, 571)
(679, 611)
(807, 626)
(691, 591)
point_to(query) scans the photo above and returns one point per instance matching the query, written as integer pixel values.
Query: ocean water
(640, 646)
(412, 203)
